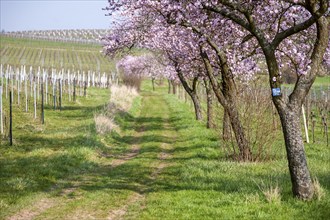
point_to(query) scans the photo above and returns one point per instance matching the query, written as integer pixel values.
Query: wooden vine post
(313, 118)
(85, 89)
(7, 81)
(10, 119)
(1, 118)
(46, 78)
(38, 83)
(54, 93)
(26, 95)
(74, 89)
(12, 88)
(18, 87)
(60, 93)
(305, 123)
(42, 103)
(35, 99)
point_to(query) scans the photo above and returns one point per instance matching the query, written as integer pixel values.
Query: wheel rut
(137, 197)
(31, 212)
(160, 163)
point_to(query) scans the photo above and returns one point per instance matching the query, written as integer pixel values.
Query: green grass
(205, 185)
(42, 43)
(44, 154)
(66, 163)
(324, 81)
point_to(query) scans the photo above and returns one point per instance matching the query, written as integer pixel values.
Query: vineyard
(24, 89)
(88, 36)
(50, 54)
(31, 69)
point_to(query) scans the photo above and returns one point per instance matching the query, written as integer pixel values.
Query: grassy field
(161, 164)
(324, 80)
(48, 54)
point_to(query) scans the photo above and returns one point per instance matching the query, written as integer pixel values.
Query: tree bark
(245, 153)
(302, 186)
(197, 106)
(226, 133)
(289, 112)
(209, 100)
(173, 87)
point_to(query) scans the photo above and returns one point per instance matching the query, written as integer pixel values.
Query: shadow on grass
(75, 111)
(39, 159)
(39, 173)
(140, 124)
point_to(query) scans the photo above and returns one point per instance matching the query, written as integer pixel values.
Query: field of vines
(83, 36)
(38, 74)
(31, 91)
(50, 54)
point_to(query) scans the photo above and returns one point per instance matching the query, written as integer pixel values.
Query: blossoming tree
(234, 37)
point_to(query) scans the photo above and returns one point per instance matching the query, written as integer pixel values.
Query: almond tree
(135, 68)
(280, 29)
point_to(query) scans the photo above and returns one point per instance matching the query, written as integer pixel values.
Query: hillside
(52, 54)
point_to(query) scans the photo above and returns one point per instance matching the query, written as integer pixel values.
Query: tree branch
(302, 26)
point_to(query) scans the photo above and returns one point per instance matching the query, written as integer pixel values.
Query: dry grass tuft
(319, 192)
(122, 97)
(104, 124)
(120, 101)
(271, 193)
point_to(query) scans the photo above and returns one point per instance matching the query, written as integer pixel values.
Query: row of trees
(222, 41)
(133, 69)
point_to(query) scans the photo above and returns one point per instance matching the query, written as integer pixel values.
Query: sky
(20, 15)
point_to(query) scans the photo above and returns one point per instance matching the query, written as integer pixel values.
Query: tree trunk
(209, 100)
(192, 92)
(245, 153)
(226, 133)
(169, 86)
(226, 94)
(289, 111)
(153, 84)
(302, 186)
(197, 106)
(173, 87)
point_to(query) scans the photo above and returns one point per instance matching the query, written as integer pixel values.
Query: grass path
(153, 122)
(122, 179)
(161, 165)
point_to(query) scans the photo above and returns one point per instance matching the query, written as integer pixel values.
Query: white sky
(18, 15)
